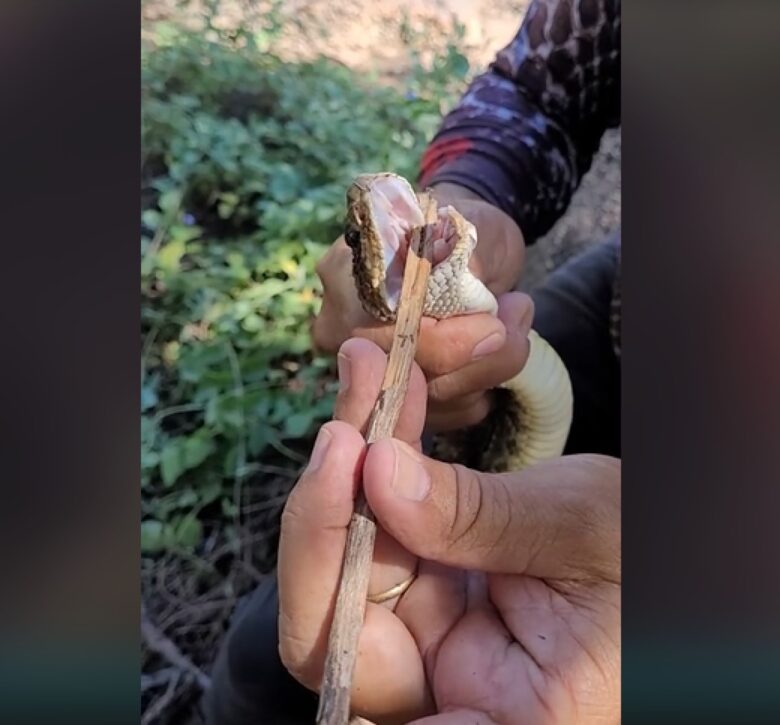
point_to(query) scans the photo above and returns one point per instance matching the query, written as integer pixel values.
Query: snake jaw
(382, 211)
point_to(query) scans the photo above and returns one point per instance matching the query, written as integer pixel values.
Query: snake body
(532, 412)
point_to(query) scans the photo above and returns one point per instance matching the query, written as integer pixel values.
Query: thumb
(559, 519)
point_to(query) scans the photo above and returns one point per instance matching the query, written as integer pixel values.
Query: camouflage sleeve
(525, 132)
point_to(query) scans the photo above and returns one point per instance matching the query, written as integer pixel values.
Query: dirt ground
(592, 217)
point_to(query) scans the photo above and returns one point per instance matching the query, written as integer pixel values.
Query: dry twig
(158, 706)
(356, 568)
(159, 678)
(157, 642)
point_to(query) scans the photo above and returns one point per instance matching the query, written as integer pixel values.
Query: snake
(531, 413)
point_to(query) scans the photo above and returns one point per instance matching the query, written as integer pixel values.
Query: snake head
(382, 212)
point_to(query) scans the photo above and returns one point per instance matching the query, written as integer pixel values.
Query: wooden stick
(356, 568)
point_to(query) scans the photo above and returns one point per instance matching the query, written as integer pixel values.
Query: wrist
(498, 257)
(448, 193)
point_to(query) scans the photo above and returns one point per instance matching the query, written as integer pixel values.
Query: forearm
(526, 131)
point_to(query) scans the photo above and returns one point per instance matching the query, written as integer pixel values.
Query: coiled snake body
(532, 412)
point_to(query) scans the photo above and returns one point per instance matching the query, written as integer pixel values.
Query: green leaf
(260, 436)
(228, 413)
(171, 462)
(298, 424)
(285, 184)
(188, 532)
(197, 448)
(252, 323)
(210, 492)
(182, 454)
(187, 498)
(227, 204)
(230, 462)
(151, 218)
(458, 63)
(170, 201)
(148, 397)
(323, 408)
(169, 256)
(149, 459)
(152, 536)
(184, 234)
(282, 410)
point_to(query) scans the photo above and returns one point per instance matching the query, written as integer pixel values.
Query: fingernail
(321, 446)
(410, 479)
(344, 366)
(492, 343)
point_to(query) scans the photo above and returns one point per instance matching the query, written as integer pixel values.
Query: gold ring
(393, 592)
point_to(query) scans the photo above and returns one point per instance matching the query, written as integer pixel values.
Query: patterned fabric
(525, 132)
(615, 313)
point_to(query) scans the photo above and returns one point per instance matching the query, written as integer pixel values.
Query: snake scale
(531, 413)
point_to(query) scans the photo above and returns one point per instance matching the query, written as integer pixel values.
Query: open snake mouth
(395, 211)
(382, 212)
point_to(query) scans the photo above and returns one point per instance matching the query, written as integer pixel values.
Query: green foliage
(443, 76)
(246, 159)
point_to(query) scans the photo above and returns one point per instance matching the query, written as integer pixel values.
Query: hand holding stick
(353, 589)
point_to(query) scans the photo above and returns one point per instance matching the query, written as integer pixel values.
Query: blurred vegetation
(246, 158)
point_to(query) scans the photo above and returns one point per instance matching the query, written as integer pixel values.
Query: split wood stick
(356, 568)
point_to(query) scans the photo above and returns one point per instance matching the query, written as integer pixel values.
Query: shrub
(246, 159)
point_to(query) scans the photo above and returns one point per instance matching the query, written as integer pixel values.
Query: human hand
(535, 638)
(462, 357)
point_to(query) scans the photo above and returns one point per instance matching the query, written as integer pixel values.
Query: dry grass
(188, 601)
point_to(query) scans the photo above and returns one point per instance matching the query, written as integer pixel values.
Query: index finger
(361, 370)
(449, 344)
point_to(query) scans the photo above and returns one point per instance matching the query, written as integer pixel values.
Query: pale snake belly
(532, 412)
